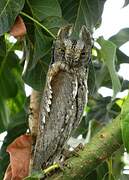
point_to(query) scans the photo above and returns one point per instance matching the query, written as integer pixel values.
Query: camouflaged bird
(64, 96)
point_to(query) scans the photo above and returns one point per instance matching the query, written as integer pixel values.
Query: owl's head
(73, 51)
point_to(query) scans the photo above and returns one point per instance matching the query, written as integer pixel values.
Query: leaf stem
(38, 23)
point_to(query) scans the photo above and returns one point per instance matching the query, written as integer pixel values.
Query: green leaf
(40, 71)
(82, 12)
(7, 78)
(108, 53)
(9, 9)
(4, 115)
(121, 37)
(42, 9)
(11, 87)
(121, 57)
(42, 45)
(125, 123)
(8, 84)
(53, 23)
(108, 111)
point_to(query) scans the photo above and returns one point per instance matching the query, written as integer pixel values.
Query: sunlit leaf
(121, 57)
(126, 3)
(108, 52)
(121, 37)
(125, 123)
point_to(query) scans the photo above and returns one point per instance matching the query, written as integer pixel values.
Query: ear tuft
(85, 35)
(65, 32)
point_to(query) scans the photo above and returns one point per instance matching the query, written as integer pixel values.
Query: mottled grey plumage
(64, 96)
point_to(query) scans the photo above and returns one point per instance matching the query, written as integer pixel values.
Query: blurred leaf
(12, 90)
(53, 23)
(109, 109)
(40, 71)
(124, 177)
(121, 37)
(42, 45)
(102, 170)
(82, 128)
(8, 84)
(102, 76)
(126, 3)
(43, 9)
(118, 163)
(121, 57)
(4, 115)
(16, 103)
(92, 175)
(108, 52)
(108, 176)
(125, 123)
(91, 79)
(7, 79)
(81, 12)
(8, 13)
(2, 47)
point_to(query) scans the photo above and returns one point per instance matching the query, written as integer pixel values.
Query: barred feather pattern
(64, 96)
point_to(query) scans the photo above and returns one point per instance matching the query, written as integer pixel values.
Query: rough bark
(101, 146)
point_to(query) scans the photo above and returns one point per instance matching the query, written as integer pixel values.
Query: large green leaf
(108, 53)
(125, 123)
(39, 71)
(53, 23)
(49, 15)
(42, 45)
(42, 9)
(82, 12)
(9, 9)
(12, 93)
(7, 79)
(121, 37)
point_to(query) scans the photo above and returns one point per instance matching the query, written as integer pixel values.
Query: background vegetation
(42, 19)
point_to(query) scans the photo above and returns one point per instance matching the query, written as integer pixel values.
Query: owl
(64, 96)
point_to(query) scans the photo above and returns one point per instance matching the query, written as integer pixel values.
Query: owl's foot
(52, 168)
(67, 154)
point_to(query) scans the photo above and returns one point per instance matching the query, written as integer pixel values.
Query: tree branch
(101, 146)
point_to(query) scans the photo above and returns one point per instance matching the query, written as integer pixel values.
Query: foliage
(42, 20)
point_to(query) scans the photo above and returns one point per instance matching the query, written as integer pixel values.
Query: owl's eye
(61, 50)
